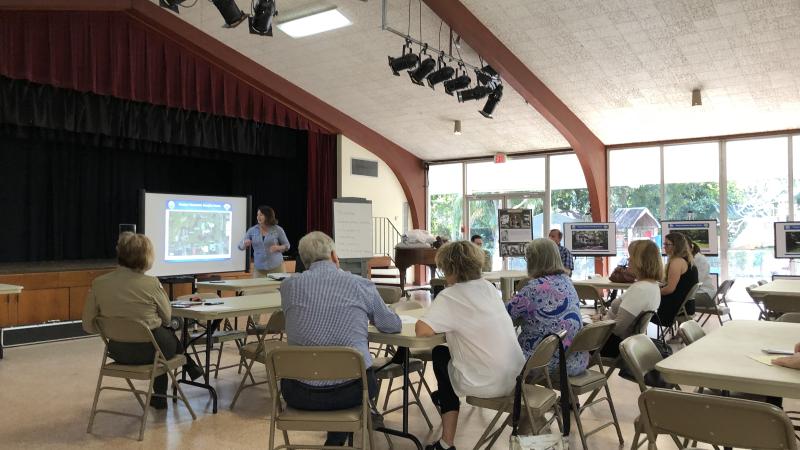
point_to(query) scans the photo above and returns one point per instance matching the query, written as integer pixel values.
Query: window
(796, 175)
(515, 175)
(445, 200)
(569, 202)
(635, 196)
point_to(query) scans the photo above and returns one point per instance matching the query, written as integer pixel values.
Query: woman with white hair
(547, 304)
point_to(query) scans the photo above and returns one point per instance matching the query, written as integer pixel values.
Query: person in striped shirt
(325, 306)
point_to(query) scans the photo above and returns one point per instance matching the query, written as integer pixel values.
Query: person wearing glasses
(680, 277)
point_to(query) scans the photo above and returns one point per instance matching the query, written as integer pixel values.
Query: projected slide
(197, 231)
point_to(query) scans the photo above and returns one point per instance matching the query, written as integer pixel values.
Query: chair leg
(136, 394)
(94, 403)
(577, 410)
(242, 384)
(388, 393)
(182, 395)
(419, 405)
(144, 413)
(499, 431)
(613, 414)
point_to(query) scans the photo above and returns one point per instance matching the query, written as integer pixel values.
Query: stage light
(404, 62)
(419, 74)
(261, 20)
(171, 5)
(456, 84)
(485, 75)
(443, 73)
(475, 93)
(491, 102)
(230, 12)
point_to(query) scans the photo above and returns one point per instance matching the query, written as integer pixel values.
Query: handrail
(385, 236)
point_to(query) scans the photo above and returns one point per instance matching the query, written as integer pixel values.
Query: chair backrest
(792, 317)
(592, 337)
(641, 356)
(121, 329)
(726, 286)
(317, 363)
(762, 282)
(389, 294)
(640, 326)
(689, 296)
(691, 331)
(542, 355)
(200, 295)
(406, 306)
(276, 323)
(779, 304)
(716, 420)
(587, 292)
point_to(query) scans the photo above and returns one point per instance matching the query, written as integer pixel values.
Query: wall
(385, 191)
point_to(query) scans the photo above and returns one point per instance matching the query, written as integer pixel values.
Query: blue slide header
(791, 227)
(191, 205)
(590, 227)
(688, 225)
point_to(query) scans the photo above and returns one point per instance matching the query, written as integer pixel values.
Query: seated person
(482, 357)
(487, 257)
(327, 306)
(792, 362)
(643, 295)
(706, 292)
(681, 276)
(128, 293)
(567, 259)
(548, 304)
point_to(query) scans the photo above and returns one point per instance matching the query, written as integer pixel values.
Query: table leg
(405, 361)
(211, 326)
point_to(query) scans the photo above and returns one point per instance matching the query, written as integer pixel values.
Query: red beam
(590, 150)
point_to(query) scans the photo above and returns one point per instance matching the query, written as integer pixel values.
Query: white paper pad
(764, 359)
(212, 308)
(407, 319)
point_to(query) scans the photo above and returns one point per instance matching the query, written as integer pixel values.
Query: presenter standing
(268, 241)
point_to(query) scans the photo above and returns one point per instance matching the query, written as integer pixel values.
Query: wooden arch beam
(590, 150)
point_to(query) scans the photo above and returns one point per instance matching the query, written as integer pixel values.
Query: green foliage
(446, 213)
(700, 198)
(646, 195)
(570, 202)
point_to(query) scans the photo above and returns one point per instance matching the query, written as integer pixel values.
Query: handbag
(622, 274)
(553, 441)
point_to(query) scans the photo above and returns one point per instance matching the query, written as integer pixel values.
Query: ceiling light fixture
(443, 73)
(476, 93)
(697, 100)
(457, 127)
(425, 67)
(404, 62)
(456, 84)
(261, 20)
(230, 12)
(313, 22)
(491, 103)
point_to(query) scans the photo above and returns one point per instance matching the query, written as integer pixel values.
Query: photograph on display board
(515, 225)
(590, 239)
(787, 239)
(511, 250)
(701, 232)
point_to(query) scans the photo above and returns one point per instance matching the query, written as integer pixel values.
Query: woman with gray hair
(547, 304)
(481, 357)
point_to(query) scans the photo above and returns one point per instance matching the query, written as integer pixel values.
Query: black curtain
(65, 188)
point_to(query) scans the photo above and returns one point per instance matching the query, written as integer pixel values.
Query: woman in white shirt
(482, 357)
(705, 294)
(644, 295)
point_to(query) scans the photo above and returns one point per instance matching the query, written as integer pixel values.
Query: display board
(591, 238)
(787, 240)
(516, 230)
(352, 227)
(194, 234)
(701, 232)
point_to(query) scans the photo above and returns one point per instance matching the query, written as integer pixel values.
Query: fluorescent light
(314, 23)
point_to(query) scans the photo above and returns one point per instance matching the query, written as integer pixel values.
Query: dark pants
(611, 349)
(143, 353)
(299, 395)
(446, 396)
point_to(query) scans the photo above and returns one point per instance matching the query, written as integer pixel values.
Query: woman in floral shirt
(547, 304)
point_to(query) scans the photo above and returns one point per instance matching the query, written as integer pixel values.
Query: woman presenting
(268, 241)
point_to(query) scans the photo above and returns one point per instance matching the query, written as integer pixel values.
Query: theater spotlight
(485, 75)
(171, 5)
(476, 93)
(491, 102)
(444, 73)
(261, 21)
(404, 62)
(419, 74)
(230, 12)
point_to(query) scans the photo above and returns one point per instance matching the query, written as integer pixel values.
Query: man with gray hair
(329, 307)
(566, 257)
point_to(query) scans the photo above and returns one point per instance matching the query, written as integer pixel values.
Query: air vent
(364, 167)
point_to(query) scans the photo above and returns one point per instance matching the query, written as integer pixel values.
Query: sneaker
(438, 446)
(158, 403)
(194, 371)
(377, 420)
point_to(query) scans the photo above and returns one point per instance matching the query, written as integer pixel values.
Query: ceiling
(626, 68)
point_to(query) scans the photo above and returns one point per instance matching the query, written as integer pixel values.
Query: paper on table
(407, 319)
(764, 359)
(212, 308)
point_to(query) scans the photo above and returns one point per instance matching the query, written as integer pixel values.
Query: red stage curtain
(321, 182)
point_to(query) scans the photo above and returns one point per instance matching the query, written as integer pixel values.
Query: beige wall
(385, 192)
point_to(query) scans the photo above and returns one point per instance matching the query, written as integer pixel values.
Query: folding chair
(536, 400)
(719, 421)
(680, 317)
(791, 317)
(389, 294)
(591, 338)
(257, 351)
(777, 305)
(589, 293)
(761, 313)
(720, 307)
(126, 330)
(690, 332)
(318, 364)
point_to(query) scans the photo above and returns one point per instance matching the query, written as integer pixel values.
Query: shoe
(194, 371)
(377, 420)
(158, 403)
(437, 446)
(338, 442)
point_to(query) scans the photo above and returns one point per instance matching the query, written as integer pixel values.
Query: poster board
(701, 232)
(787, 240)
(516, 230)
(591, 238)
(352, 227)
